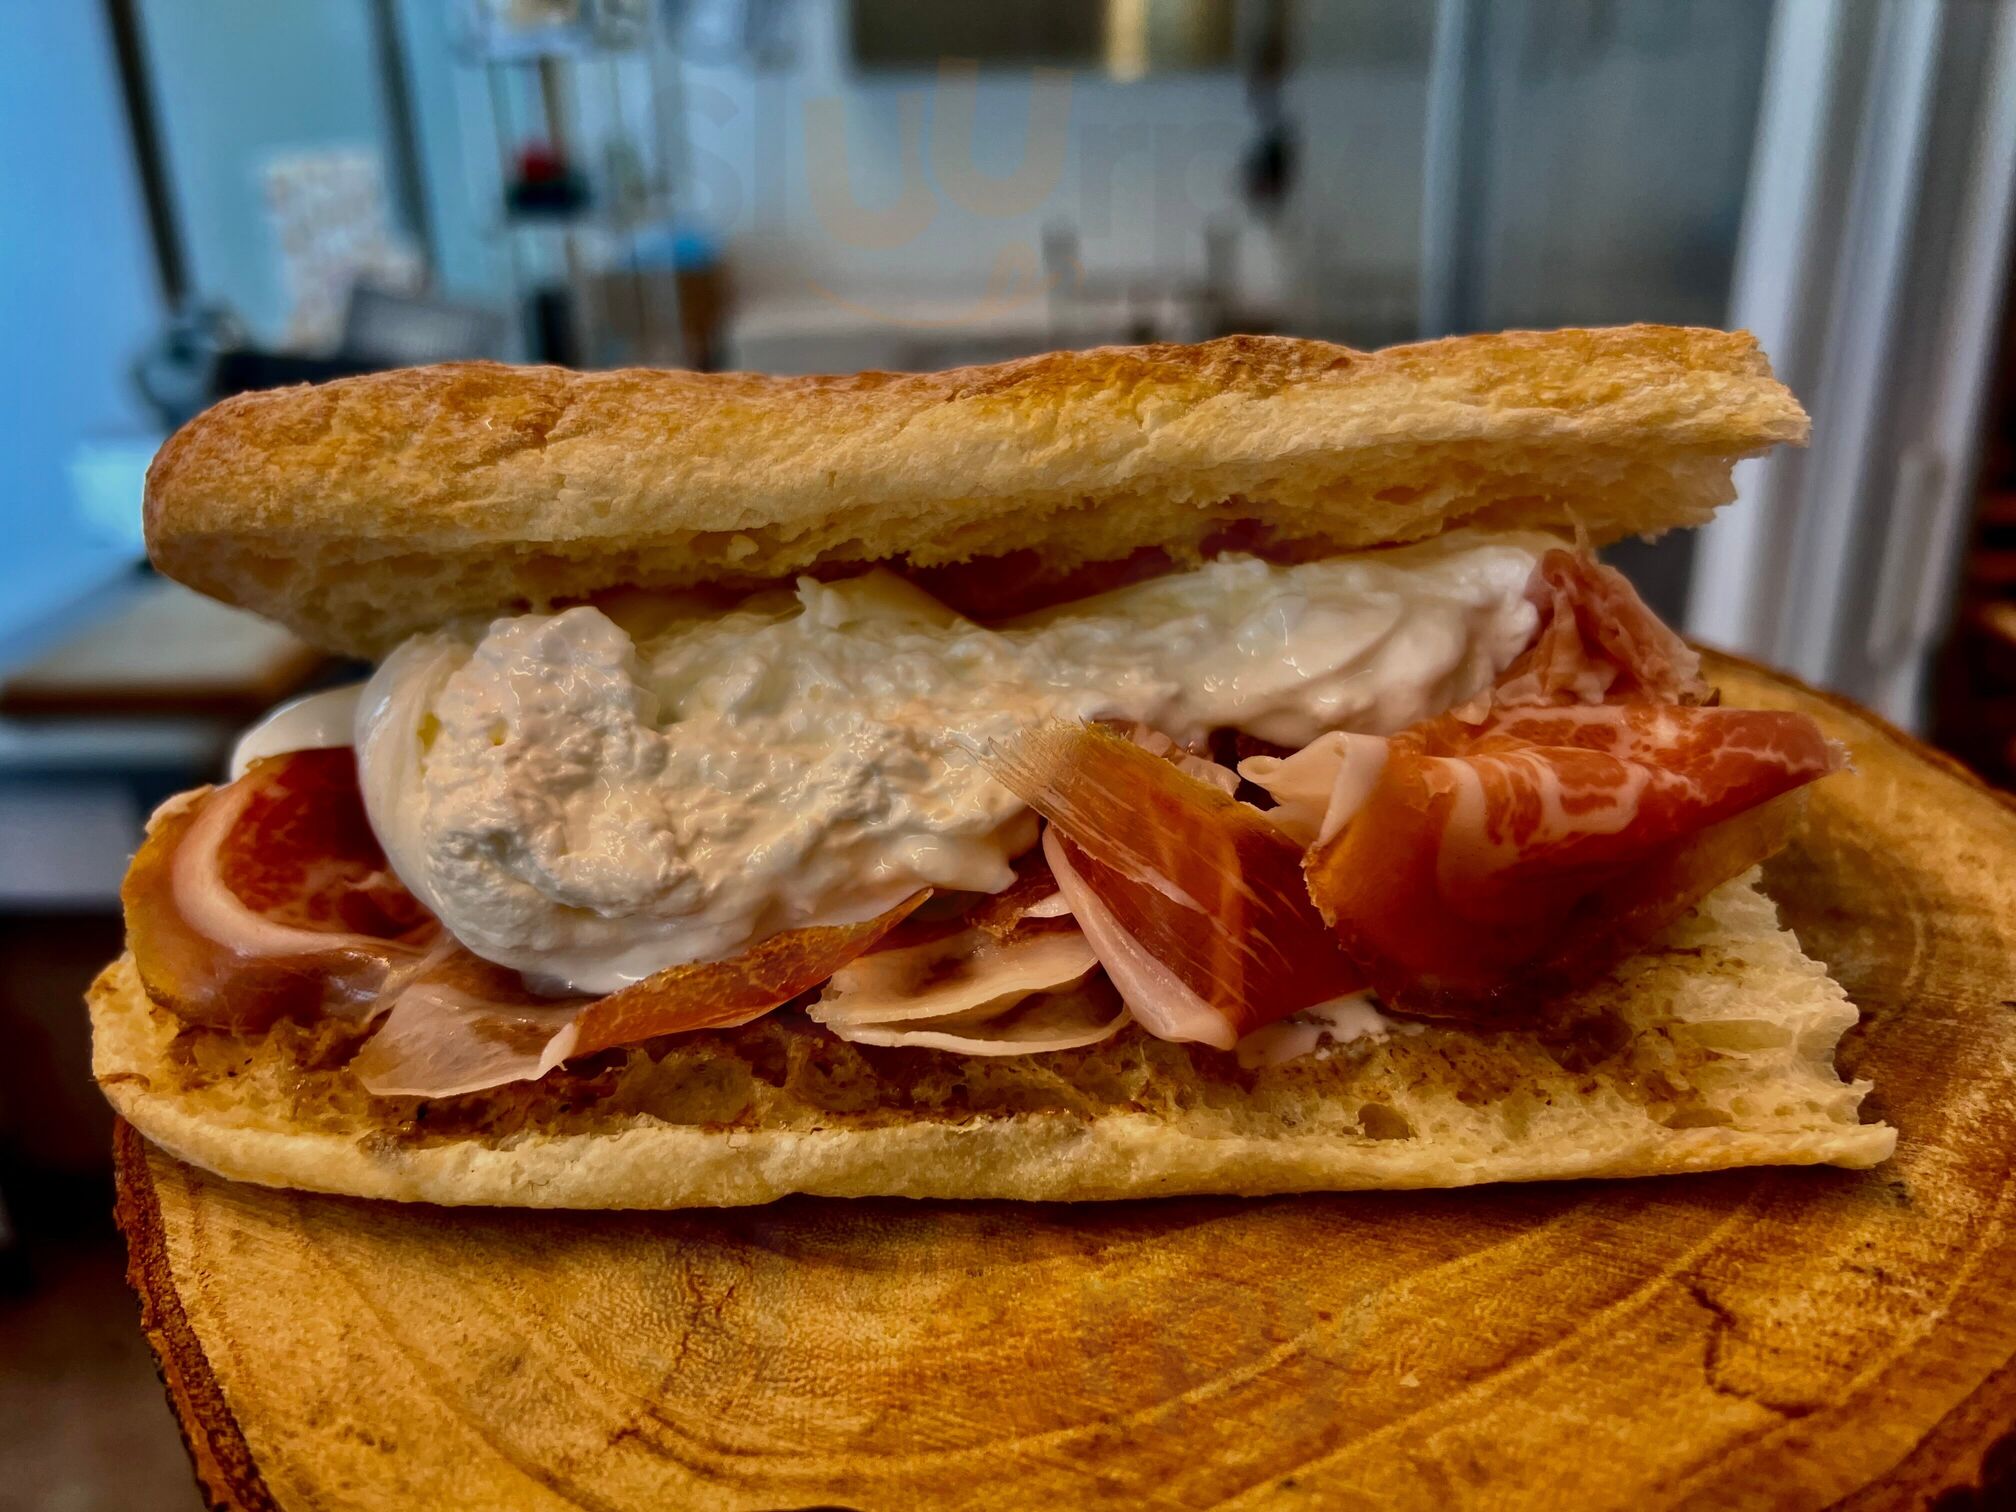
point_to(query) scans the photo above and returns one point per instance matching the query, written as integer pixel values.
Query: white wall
(78, 296)
(236, 83)
(1145, 165)
(806, 170)
(1618, 141)
(800, 169)
(1615, 134)
(458, 154)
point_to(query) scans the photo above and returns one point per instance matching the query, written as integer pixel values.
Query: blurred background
(208, 196)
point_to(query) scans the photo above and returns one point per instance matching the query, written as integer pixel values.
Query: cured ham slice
(462, 1026)
(1318, 788)
(1034, 895)
(1193, 902)
(1488, 866)
(1030, 899)
(1203, 768)
(268, 897)
(1469, 867)
(1478, 864)
(1166, 1005)
(964, 972)
(467, 1025)
(1071, 1019)
(721, 994)
(1598, 642)
(973, 993)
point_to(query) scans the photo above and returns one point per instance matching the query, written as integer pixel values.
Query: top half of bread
(359, 511)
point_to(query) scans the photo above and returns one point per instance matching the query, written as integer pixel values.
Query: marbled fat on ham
(1598, 642)
(1473, 866)
(1498, 856)
(1481, 851)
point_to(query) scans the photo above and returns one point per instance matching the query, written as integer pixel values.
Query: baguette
(363, 510)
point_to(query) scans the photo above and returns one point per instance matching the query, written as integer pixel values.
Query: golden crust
(1714, 1049)
(361, 510)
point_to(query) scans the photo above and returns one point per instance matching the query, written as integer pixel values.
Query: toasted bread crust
(361, 510)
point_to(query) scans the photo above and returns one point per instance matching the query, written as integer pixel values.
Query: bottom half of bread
(1712, 1049)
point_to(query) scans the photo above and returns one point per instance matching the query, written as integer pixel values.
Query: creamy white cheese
(591, 805)
(1341, 1021)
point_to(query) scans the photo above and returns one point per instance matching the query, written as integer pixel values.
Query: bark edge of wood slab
(1768, 1337)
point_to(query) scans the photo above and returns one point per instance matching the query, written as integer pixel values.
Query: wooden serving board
(1763, 1338)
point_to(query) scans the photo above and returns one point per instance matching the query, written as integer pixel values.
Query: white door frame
(1836, 242)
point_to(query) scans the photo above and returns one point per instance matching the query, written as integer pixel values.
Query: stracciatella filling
(593, 795)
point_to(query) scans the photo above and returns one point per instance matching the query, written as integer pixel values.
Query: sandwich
(1175, 769)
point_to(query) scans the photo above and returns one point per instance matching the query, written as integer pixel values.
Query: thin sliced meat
(1034, 896)
(1025, 582)
(1598, 642)
(1069, 1019)
(1166, 1007)
(1183, 877)
(1491, 866)
(268, 897)
(721, 994)
(972, 993)
(463, 1025)
(961, 973)
(1031, 898)
(1203, 768)
(1317, 789)
(467, 1025)
(1634, 910)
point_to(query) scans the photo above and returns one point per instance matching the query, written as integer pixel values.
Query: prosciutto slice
(976, 994)
(1598, 642)
(270, 896)
(1032, 898)
(1485, 867)
(1472, 867)
(1167, 1006)
(967, 971)
(465, 1024)
(1071, 1019)
(1035, 895)
(1477, 864)
(1194, 902)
